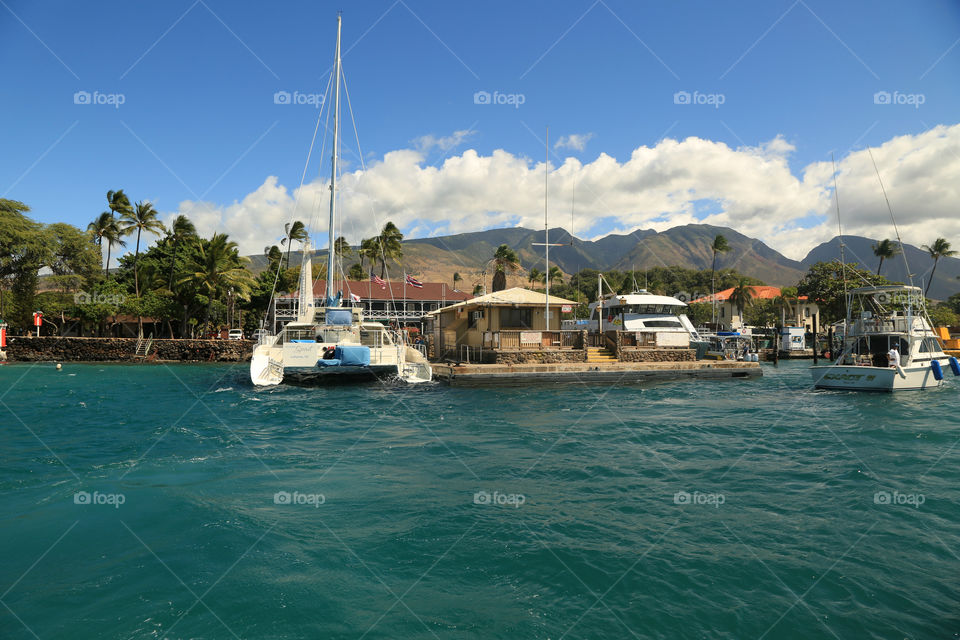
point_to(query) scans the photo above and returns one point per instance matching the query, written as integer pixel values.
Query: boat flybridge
(661, 317)
(333, 342)
(879, 320)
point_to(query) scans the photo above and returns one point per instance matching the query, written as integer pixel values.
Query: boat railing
(897, 324)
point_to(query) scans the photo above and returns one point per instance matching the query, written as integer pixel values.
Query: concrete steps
(600, 355)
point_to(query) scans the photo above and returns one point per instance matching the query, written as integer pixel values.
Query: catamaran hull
(273, 366)
(853, 378)
(334, 375)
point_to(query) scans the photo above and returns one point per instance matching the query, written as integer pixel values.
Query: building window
(806, 312)
(516, 318)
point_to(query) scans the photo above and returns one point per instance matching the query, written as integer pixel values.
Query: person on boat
(893, 356)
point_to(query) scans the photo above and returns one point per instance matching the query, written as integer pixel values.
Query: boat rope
(903, 252)
(303, 176)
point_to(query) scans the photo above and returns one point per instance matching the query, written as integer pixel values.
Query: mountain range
(437, 259)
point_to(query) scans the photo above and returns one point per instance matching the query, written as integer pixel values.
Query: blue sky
(197, 79)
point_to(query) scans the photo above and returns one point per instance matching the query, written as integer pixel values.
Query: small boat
(731, 345)
(881, 319)
(333, 343)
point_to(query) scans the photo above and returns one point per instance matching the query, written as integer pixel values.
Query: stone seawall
(628, 354)
(51, 348)
(539, 357)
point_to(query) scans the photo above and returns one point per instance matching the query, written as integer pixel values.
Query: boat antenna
(903, 253)
(333, 170)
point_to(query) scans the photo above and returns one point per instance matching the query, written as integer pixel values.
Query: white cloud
(426, 143)
(658, 187)
(575, 141)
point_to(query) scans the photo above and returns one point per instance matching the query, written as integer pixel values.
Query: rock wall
(539, 357)
(635, 354)
(49, 348)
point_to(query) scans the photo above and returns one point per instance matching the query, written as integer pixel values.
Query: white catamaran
(333, 342)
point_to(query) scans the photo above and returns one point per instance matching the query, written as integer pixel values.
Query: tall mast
(333, 170)
(546, 228)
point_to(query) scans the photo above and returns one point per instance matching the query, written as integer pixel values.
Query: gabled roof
(367, 290)
(507, 297)
(760, 292)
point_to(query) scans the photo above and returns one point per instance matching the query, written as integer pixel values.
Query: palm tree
(885, 249)
(456, 278)
(506, 260)
(719, 245)
(215, 267)
(742, 297)
(939, 249)
(119, 203)
(295, 231)
(535, 277)
(274, 257)
(390, 246)
(342, 248)
(142, 218)
(180, 231)
(785, 301)
(556, 275)
(369, 250)
(105, 227)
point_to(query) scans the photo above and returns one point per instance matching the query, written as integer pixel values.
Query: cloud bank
(676, 182)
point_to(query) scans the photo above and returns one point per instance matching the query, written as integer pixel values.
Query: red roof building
(728, 316)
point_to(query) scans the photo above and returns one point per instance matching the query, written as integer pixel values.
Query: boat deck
(498, 374)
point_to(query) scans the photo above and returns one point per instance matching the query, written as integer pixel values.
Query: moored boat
(885, 324)
(333, 342)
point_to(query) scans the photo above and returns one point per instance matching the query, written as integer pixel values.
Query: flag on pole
(354, 297)
(380, 281)
(413, 282)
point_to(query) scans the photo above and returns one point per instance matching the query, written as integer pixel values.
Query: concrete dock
(630, 372)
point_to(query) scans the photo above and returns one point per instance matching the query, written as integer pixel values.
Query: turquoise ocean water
(180, 502)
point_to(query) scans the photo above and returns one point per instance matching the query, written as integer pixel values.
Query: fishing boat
(333, 342)
(879, 320)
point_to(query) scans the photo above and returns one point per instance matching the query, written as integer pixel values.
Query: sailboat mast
(333, 170)
(546, 229)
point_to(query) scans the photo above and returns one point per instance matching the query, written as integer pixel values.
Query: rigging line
(356, 133)
(315, 216)
(303, 176)
(903, 251)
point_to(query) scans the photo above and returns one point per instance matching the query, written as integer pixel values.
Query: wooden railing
(521, 339)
